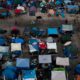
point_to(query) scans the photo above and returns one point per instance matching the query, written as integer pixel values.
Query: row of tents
(18, 67)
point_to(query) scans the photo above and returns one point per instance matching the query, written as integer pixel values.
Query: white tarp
(15, 46)
(62, 61)
(67, 27)
(45, 59)
(20, 7)
(32, 49)
(4, 48)
(58, 75)
(52, 46)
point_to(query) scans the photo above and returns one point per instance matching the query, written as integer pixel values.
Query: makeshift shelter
(16, 47)
(72, 9)
(77, 69)
(67, 28)
(2, 40)
(70, 51)
(51, 12)
(10, 73)
(32, 11)
(50, 40)
(62, 61)
(3, 31)
(45, 59)
(53, 31)
(4, 50)
(58, 74)
(42, 45)
(23, 62)
(17, 40)
(29, 75)
(52, 46)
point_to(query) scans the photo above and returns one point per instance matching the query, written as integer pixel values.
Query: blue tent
(53, 31)
(29, 74)
(33, 40)
(10, 73)
(23, 62)
(2, 40)
(18, 40)
(77, 69)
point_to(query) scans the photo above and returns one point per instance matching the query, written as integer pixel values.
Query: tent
(62, 61)
(10, 73)
(16, 47)
(4, 50)
(17, 40)
(42, 45)
(67, 28)
(77, 69)
(33, 40)
(49, 39)
(45, 59)
(72, 8)
(58, 74)
(33, 48)
(52, 31)
(2, 40)
(70, 51)
(23, 62)
(52, 46)
(29, 75)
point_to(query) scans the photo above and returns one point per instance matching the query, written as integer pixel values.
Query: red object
(42, 45)
(18, 11)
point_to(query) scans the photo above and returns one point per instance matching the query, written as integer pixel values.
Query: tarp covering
(29, 75)
(52, 46)
(23, 62)
(4, 49)
(62, 61)
(45, 59)
(9, 73)
(16, 47)
(67, 27)
(53, 31)
(58, 75)
(17, 40)
(77, 69)
(2, 40)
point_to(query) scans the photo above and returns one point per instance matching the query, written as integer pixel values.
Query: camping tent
(45, 59)
(16, 47)
(10, 73)
(52, 46)
(52, 31)
(23, 62)
(72, 8)
(29, 75)
(62, 61)
(67, 27)
(2, 40)
(17, 40)
(58, 75)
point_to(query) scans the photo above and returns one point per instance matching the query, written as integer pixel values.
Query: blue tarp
(53, 31)
(77, 69)
(23, 62)
(9, 73)
(29, 74)
(31, 41)
(2, 40)
(18, 40)
(72, 6)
